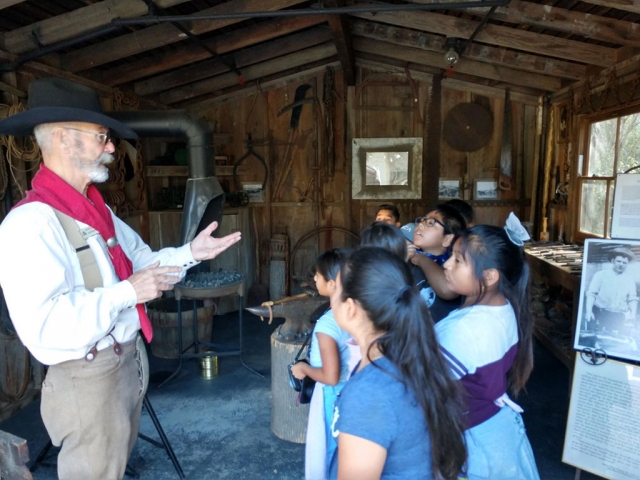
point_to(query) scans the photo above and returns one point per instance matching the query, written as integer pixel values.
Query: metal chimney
(204, 198)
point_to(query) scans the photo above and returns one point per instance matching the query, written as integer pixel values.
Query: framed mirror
(386, 168)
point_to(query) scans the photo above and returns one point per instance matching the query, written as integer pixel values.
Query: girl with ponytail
(488, 345)
(400, 413)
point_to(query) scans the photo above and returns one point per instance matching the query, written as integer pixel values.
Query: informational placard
(626, 207)
(604, 419)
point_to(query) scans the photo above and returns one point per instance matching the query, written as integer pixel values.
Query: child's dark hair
(392, 208)
(487, 247)
(382, 284)
(463, 208)
(328, 263)
(451, 217)
(383, 235)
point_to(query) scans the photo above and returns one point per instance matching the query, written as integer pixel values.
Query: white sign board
(626, 207)
(604, 420)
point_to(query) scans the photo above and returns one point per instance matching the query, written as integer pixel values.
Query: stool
(188, 293)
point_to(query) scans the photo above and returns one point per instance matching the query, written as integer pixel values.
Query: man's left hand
(205, 247)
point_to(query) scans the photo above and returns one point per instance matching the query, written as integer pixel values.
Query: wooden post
(288, 420)
(14, 454)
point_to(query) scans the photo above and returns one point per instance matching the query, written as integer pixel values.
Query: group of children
(428, 329)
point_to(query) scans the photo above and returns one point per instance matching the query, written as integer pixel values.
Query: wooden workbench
(555, 273)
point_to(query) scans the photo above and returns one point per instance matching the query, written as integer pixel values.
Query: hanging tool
(296, 110)
(329, 114)
(249, 153)
(505, 179)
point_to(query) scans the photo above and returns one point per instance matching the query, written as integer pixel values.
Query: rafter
(499, 35)
(471, 67)
(76, 22)
(9, 3)
(562, 20)
(250, 56)
(250, 73)
(626, 5)
(466, 84)
(339, 25)
(482, 53)
(241, 38)
(160, 35)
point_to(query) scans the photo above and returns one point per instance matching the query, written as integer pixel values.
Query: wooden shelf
(183, 170)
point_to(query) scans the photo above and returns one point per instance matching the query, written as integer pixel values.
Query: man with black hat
(82, 317)
(612, 298)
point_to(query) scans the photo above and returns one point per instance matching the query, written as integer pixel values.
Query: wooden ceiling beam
(339, 25)
(9, 3)
(586, 25)
(279, 80)
(75, 23)
(385, 65)
(250, 56)
(464, 65)
(482, 53)
(42, 70)
(164, 34)
(222, 44)
(498, 35)
(632, 6)
(252, 72)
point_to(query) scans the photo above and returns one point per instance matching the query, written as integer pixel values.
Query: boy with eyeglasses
(433, 237)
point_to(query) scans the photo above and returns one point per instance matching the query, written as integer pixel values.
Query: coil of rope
(18, 149)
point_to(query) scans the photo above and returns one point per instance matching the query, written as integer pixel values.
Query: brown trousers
(93, 410)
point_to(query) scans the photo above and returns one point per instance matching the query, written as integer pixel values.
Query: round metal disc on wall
(468, 127)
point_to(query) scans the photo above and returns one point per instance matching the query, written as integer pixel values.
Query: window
(613, 147)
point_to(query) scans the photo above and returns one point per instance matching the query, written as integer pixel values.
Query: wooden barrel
(15, 370)
(288, 420)
(163, 314)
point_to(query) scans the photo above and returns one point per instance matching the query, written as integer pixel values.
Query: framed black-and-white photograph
(485, 189)
(608, 311)
(449, 188)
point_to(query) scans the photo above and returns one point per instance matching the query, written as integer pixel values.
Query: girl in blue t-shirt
(400, 414)
(488, 346)
(328, 366)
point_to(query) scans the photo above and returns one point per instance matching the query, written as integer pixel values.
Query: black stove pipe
(204, 198)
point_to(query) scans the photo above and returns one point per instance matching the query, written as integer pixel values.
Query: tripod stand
(164, 443)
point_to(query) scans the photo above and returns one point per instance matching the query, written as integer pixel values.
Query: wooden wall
(382, 105)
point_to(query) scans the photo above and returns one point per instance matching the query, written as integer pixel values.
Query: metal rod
(480, 26)
(311, 11)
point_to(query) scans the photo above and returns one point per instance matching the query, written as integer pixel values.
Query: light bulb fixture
(453, 51)
(451, 57)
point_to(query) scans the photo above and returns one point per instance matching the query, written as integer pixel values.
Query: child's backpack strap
(88, 264)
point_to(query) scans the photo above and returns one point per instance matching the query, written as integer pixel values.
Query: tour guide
(98, 369)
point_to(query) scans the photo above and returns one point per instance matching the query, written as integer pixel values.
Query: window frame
(581, 177)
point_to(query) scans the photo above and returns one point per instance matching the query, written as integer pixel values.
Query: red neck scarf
(49, 188)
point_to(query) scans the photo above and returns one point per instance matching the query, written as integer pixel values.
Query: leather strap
(88, 264)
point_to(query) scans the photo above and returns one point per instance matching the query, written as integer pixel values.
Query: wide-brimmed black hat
(54, 100)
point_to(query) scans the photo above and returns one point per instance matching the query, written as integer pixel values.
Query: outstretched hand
(205, 247)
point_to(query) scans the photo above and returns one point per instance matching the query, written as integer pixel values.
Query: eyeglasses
(431, 222)
(102, 138)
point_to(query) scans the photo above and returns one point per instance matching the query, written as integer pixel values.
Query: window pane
(629, 155)
(594, 197)
(602, 148)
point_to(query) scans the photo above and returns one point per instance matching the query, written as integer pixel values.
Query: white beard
(99, 173)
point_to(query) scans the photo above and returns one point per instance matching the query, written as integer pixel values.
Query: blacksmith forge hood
(204, 197)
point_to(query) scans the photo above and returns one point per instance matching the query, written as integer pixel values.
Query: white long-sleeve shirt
(55, 316)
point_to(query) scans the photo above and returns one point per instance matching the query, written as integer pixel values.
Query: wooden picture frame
(563, 123)
(449, 188)
(485, 189)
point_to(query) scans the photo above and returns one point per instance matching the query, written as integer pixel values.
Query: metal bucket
(208, 367)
